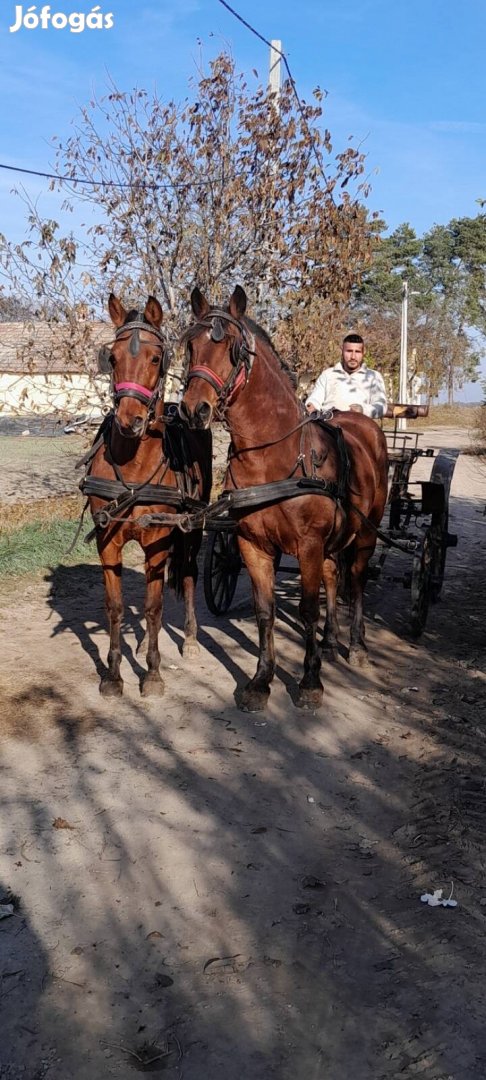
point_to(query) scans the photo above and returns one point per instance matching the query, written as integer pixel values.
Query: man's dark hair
(355, 339)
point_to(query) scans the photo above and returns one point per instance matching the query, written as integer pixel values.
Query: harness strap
(140, 324)
(336, 433)
(121, 496)
(142, 495)
(78, 530)
(265, 494)
(98, 441)
(408, 546)
(225, 388)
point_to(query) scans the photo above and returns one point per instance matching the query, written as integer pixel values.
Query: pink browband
(133, 386)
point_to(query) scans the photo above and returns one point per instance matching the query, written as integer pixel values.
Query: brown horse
(235, 373)
(143, 465)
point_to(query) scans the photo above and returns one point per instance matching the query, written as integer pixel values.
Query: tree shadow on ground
(250, 885)
(25, 976)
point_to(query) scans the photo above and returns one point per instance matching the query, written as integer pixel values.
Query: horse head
(138, 361)
(219, 353)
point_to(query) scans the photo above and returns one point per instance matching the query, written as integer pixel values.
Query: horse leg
(311, 571)
(358, 573)
(151, 683)
(330, 575)
(253, 697)
(111, 683)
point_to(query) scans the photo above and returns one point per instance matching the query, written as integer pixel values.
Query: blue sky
(408, 80)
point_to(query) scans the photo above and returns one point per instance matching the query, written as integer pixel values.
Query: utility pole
(274, 85)
(275, 66)
(403, 391)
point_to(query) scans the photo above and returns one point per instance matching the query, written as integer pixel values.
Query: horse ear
(117, 311)
(237, 304)
(153, 311)
(199, 303)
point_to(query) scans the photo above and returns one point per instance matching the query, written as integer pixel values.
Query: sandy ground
(230, 896)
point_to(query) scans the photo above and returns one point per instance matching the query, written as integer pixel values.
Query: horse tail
(182, 560)
(177, 561)
(345, 562)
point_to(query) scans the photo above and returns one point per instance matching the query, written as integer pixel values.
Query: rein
(273, 442)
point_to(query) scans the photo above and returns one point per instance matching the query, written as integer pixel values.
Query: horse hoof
(152, 685)
(309, 697)
(190, 649)
(111, 687)
(358, 657)
(330, 653)
(250, 700)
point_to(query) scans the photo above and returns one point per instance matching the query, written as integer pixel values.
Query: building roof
(41, 348)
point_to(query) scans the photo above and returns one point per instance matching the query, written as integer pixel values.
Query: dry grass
(479, 430)
(457, 416)
(14, 516)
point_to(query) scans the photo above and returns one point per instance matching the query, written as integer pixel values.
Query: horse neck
(267, 407)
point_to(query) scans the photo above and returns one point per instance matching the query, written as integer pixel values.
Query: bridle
(242, 353)
(144, 394)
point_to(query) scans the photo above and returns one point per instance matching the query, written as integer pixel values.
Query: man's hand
(356, 408)
(311, 408)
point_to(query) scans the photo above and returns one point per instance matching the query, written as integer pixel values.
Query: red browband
(216, 381)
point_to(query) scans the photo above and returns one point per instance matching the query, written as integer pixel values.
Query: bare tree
(223, 188)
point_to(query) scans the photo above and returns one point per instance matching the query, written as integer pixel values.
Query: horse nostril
(184, 412)
(203, 414)
(137, 424)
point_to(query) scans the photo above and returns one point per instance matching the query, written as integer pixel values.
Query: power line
(248, 25)
(175, 187)
(102, 183)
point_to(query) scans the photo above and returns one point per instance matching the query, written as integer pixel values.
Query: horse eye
(156, 359)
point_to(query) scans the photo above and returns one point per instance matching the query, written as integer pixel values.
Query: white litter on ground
(435, 899)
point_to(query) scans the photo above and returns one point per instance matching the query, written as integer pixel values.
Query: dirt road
(234, 897)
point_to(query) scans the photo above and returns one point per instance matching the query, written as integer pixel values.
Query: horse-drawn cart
(416, 524)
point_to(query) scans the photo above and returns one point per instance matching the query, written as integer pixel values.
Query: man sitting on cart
(350, 384)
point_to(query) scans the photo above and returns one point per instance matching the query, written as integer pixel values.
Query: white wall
(43, 394)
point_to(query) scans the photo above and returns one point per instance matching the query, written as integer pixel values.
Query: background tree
(446, 273)
(224, 188)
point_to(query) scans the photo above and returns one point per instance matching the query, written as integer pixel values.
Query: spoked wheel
(222, 565)
(422, 584)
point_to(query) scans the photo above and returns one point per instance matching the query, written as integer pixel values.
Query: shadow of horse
(76, 596)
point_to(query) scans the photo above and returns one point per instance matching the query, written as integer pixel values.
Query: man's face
(352, 356)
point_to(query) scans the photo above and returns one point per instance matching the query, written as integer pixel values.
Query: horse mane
(265, 338)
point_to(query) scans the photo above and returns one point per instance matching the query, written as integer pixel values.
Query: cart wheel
(222, 565)
(421, 584)
(442, 472)
(439, 552)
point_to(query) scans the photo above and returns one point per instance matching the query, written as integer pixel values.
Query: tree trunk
(450, 385)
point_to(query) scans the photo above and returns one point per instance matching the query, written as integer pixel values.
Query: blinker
(104, 365)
